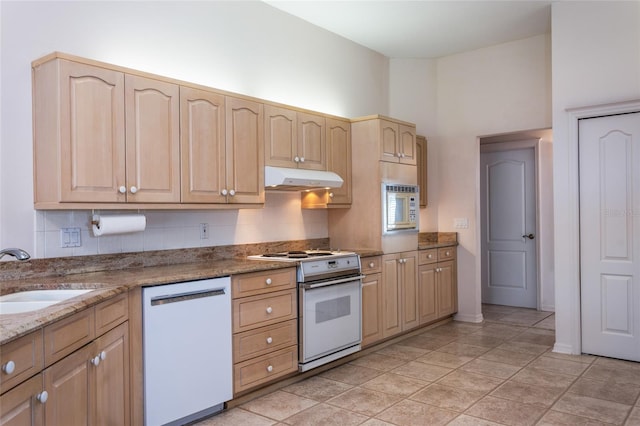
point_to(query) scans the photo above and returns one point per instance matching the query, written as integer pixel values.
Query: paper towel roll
(121, 224)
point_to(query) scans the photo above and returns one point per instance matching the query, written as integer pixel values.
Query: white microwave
(399, 207)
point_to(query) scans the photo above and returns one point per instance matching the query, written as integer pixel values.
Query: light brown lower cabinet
(371, 300)
(437, 284)
(265, 327)
(399, 290)
(86, 385)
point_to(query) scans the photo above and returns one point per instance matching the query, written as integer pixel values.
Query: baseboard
(468, 318)
(548, 308)
(563, 348)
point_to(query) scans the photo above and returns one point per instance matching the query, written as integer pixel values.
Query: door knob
(529, 236)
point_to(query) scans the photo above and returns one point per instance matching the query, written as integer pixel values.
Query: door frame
(571, 254)
(511, 146)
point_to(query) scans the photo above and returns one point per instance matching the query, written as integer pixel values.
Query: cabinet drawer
(371, 265)
(265, 368)
(65, 336)
(446, 253)
(427, 256)
(262, 282)
(264, 340)
(27, 357)
(110, 313)
(259, 311)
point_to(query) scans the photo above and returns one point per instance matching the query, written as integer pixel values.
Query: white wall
(596, 60)
(244, 47)
(499, 89)
(413, 97)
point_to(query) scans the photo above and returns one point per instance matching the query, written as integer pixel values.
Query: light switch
(461, 223)
(70, 237)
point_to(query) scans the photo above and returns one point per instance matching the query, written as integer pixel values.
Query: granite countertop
(110, 275)
(111, 283)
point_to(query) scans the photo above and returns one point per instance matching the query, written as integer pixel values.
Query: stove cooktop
(298, 255)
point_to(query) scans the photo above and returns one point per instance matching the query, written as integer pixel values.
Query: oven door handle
(332, 282)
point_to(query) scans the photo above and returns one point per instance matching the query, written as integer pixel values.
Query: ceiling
(424, 28)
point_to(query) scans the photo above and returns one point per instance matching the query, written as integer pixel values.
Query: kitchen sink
(26, 301)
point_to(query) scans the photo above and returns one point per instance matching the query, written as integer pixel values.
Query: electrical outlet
(461, 223)
(70, 237)
(204, 231)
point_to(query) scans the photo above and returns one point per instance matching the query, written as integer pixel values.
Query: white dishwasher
(187, 350)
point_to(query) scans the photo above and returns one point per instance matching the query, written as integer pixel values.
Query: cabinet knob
(270, 368)
(296, 159)
(371, 264)
(122, 189)
(302, 159)
(268, 281)
(232, 192)
(224, 192)
(9, 367)
(42, 396)
(133, 190)
(269, 340)
(447, 253)
(103, 355)
(331, 195)
(429, 256)
(398, 154)
(269, 309)
(96, 360)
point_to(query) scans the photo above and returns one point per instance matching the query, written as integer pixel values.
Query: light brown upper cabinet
(222, 148)
(152, 124)
(244, 154)
(338, 139)
(294, 139)
(398, 142)
(101, 136)
(421, 163)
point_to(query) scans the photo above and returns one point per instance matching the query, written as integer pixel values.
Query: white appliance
(399, 207)
(329, 304)
(187, 350)
(299, 179)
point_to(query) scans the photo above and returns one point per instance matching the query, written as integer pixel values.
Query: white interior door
(508, 227)
(609, 155)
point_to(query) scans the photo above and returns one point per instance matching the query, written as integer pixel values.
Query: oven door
(330, 319)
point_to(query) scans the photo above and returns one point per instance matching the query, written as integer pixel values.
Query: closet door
(609, 149)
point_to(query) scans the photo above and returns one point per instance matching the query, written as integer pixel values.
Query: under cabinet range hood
(286, 179)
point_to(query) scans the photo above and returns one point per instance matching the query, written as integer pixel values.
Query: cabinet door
(391, 316)
(339, 158)
(409, 279)
(244, 151)
(427, 310)
(407, 144)
(112, 377)
(153, 144)
(446, 291)
(20, 406)
(389, 141)
(280, 136)
(202, 143)
(371, 309)
(311, 142)
(421, 163)
(92, 133)
(69, 383)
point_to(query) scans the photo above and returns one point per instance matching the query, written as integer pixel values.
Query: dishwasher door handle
(182, 297)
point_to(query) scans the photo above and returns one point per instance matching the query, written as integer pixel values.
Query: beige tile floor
(500, 372)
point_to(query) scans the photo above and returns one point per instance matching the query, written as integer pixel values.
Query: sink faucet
(15, 252)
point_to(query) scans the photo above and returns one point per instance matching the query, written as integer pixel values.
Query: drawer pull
(269, 309)
(269, 340)
(9, 367)
(96, 361)
(447, 253)
(268, 281)
(270, 368)
(42, 397)
(371, 264)
(429, 256)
